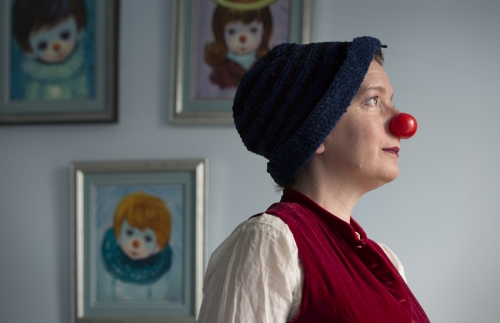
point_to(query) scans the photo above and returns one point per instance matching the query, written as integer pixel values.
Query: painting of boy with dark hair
(52, 49)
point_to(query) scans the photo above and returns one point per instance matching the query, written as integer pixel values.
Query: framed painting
(58, 61)
(217, 41)
(138, 240)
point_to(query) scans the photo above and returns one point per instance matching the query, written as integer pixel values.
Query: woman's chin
(385, 177)
(390, 174)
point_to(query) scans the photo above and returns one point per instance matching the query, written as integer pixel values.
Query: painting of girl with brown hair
(240, 32)
(241, 38)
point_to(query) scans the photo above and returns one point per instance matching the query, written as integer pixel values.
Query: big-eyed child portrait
(231, 36)
(52, 49)
(138, 244)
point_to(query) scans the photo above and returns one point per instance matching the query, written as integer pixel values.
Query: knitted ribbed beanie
(289, 102)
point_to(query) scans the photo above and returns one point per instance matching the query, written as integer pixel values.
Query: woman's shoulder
(266, 223)
(264, 230)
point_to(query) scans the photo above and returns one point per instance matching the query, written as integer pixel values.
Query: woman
(320, 114)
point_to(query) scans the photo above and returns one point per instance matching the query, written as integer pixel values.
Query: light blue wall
(440, 216)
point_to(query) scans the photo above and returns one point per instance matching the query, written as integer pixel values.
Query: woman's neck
(336, 194)
(333, 199)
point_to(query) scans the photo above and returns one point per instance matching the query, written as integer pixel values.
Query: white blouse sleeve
(253, 276)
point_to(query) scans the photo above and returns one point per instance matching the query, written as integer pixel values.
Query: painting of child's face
(55, 44)
(243, 38)
(136, 243)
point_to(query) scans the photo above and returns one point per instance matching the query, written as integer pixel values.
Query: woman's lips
(392, 150)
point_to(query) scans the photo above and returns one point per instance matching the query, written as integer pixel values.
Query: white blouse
(255, 275)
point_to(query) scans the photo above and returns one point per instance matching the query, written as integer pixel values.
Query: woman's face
(361, 147)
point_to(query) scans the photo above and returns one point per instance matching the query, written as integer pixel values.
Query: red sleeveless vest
(346, 279)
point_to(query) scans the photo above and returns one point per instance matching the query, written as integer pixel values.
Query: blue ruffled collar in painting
(143, 271)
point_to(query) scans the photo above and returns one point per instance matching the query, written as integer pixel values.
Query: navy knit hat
(289, 102)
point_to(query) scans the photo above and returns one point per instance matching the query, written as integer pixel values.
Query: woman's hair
(216, 51)
(379, 57)
(144, 211)
(29, 16)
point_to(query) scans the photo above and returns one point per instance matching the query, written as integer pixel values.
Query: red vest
(346, 279)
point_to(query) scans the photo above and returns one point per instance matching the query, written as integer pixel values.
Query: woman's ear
(320, 149)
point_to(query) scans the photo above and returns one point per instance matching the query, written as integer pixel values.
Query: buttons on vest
(379, 267)
(361, 242)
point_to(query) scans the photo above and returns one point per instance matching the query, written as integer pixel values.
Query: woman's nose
(403, 125)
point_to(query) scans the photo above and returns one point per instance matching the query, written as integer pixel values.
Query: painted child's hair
(29, 16)
(144, 211)
(216, 52)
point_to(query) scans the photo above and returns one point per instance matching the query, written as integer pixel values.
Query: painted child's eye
(129, 232)
(231, 31)
(148, 238)
(65, 35)
(42, 46)
(253, 30)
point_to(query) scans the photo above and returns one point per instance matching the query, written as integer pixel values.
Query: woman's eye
(129, 232)
(373, 101)
(148, 238)
(253, 30)
(230, 31)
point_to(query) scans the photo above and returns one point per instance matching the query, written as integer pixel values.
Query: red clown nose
(403, 125)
